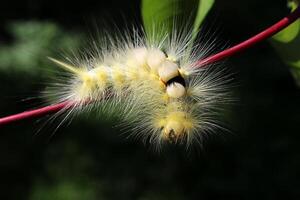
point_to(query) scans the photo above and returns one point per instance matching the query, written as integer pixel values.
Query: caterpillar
(159, 85)
(155, 84)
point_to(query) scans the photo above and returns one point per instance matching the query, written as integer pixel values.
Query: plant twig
(265, 34)
(34, 113)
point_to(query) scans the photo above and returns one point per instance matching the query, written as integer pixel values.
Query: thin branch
(34, 113)
(265, 34)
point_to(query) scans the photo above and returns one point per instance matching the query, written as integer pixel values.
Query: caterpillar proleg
(158, 89)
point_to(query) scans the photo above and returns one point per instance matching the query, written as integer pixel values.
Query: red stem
(211, 59)
(253, 40)
(34, 113)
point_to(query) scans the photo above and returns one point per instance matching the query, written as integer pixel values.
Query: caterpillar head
(176, 126)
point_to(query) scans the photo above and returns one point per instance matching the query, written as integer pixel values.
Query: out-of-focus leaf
(203, 9)
(287, 44)
(32, 43)
(159, 16)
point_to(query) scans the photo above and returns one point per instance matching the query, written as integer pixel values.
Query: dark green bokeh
(91, 159)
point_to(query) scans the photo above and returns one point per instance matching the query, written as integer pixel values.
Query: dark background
(89, 159)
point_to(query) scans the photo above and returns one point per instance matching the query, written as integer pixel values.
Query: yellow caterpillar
(156, 85)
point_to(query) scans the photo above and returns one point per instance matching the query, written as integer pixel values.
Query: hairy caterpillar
(159, 85)
(158, 88)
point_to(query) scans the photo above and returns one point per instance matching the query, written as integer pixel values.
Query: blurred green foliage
(287, 44)
(32, 42)
(160, 16)
(204, 7)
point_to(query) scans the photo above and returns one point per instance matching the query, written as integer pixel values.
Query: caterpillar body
(159, 90)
